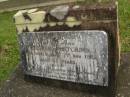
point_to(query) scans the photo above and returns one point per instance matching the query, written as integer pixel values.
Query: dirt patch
(0, 49)
(4, 49)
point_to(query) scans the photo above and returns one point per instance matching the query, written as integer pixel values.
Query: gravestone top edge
(72, 7)
(63, 16)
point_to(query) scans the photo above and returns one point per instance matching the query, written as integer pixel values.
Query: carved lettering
(77, 56)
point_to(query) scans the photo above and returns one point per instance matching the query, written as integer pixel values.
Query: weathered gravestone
(76, 43)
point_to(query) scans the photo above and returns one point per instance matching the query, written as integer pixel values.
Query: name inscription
(77, 56)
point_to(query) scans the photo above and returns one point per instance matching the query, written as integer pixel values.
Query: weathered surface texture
(78, 56)
(73, 18)
(66, 17)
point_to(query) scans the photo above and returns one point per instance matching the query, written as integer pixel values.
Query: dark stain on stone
(50, 18)
(23, 53)
(77, 73)
(27, 17)
(25, 30)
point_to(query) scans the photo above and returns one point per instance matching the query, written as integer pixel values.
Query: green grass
(8, 45)
(9, 56)
(124, 21)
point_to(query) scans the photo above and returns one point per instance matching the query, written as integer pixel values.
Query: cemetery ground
(9, 54)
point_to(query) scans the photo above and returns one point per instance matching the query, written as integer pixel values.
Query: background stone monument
(75, 43)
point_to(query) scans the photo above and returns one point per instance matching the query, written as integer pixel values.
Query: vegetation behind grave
(8, 45)
(124, 21)
(9, 54)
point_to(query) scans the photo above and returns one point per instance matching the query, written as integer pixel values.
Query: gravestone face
(78, 56)
(71, 42)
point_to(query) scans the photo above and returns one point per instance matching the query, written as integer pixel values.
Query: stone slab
(74, 18)
(77, 56)
(17, 86)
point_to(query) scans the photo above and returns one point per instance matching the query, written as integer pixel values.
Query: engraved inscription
(77, 56)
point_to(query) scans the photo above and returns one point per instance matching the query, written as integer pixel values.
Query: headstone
(75, 43)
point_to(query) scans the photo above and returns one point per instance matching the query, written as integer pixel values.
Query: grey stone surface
(60, 12)
(17, 86)
(77, 56)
